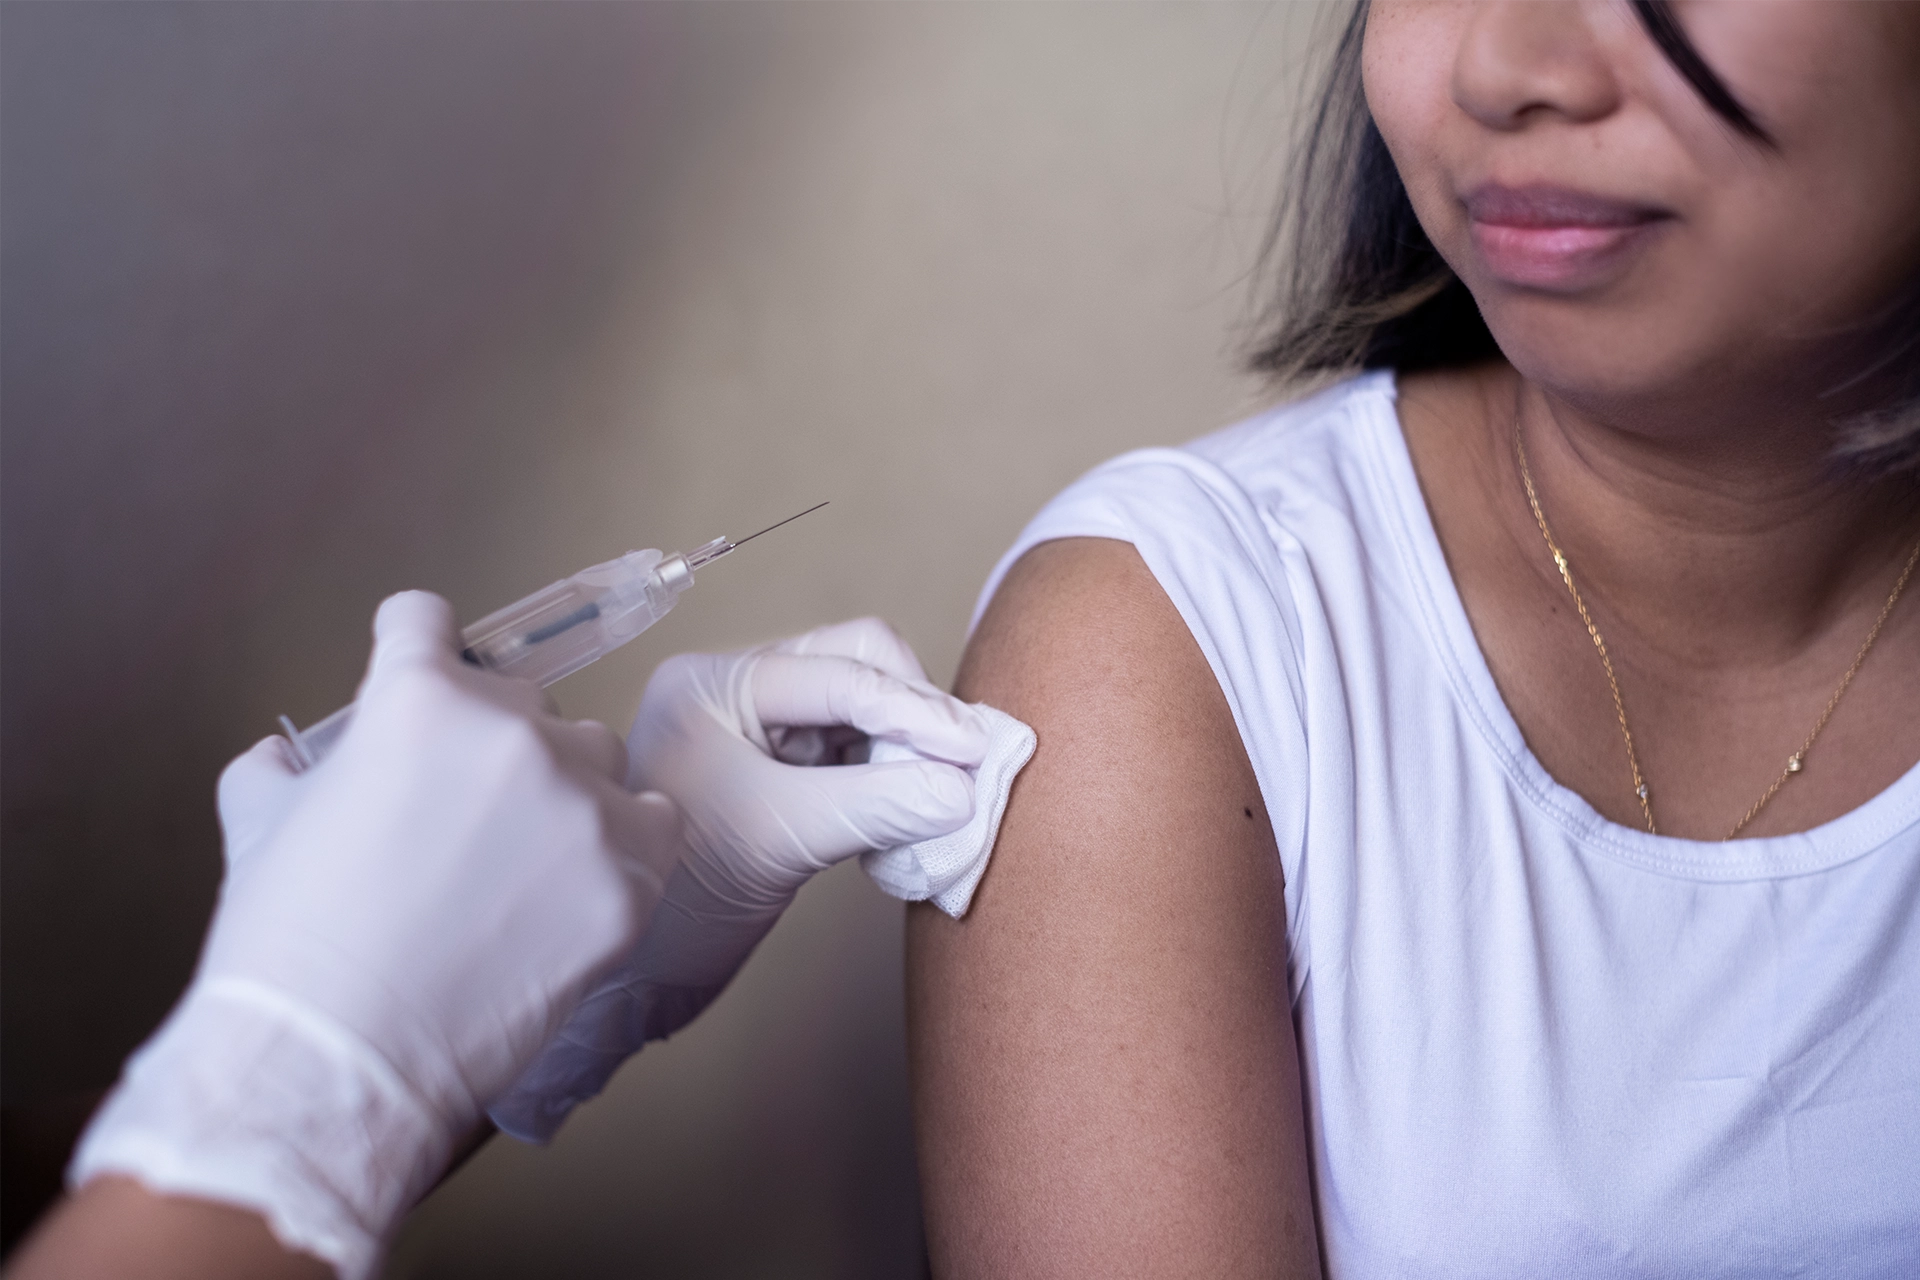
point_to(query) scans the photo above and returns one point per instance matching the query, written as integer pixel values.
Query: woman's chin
(1596, 364)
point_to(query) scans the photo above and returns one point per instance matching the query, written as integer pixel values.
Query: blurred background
(304, 303)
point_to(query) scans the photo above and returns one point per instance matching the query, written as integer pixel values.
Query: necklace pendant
(1641, 791)
(1794, 763)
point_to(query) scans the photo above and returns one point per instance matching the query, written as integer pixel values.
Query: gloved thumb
(411, 629)
(867, 640)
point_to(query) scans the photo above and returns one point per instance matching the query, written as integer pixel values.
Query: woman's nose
(1523, 60)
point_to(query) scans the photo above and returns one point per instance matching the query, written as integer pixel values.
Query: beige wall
(303, 304)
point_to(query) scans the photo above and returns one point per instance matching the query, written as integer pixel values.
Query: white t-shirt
(1535, 1043)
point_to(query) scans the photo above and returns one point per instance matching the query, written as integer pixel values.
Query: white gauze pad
(948, 868)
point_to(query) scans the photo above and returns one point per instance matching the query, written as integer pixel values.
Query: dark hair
(1354, 283)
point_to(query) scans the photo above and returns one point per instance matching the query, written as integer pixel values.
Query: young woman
(1476, 825)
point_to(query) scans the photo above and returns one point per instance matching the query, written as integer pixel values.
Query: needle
(770, 528)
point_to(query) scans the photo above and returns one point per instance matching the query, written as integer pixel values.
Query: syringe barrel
(558, 630)
(550, 634)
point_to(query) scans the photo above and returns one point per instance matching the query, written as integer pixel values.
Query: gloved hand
(399, 932)
(721, 734)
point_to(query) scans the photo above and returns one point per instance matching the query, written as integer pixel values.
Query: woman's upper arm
(1104, 1070)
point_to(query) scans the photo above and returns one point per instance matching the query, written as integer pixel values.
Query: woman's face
(1626, 244)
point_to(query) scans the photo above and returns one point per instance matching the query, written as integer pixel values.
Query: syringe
(558, 630)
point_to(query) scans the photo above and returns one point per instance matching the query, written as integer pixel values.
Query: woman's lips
(1557, 239)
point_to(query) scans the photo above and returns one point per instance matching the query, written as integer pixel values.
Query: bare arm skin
(114, 1227)
(1105, 1076)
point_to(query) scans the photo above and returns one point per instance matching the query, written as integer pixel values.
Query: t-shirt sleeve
(1207, 545)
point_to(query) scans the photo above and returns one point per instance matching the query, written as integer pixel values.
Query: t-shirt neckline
(1849, 836)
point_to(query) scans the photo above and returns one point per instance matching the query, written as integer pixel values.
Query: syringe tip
(708, 552)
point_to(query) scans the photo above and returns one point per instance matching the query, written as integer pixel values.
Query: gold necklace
(1796, 761)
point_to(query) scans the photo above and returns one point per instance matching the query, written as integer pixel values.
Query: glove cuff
(246, 1097)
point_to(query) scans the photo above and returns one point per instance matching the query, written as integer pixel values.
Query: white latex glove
(717, 732)
(399, 932)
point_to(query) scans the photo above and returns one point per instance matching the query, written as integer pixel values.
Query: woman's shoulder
(1307, 441)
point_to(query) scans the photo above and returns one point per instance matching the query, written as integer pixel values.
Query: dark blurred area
(304, 303)
(240, 243)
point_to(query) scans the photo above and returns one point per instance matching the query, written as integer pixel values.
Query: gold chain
(1797, 760)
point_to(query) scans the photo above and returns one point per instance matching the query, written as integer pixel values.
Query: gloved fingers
(588, 745)
(868, 640)
(646, 828)
(416, 629)
(791, 689)
(411, 629)
(883, 806)
(255, 791)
